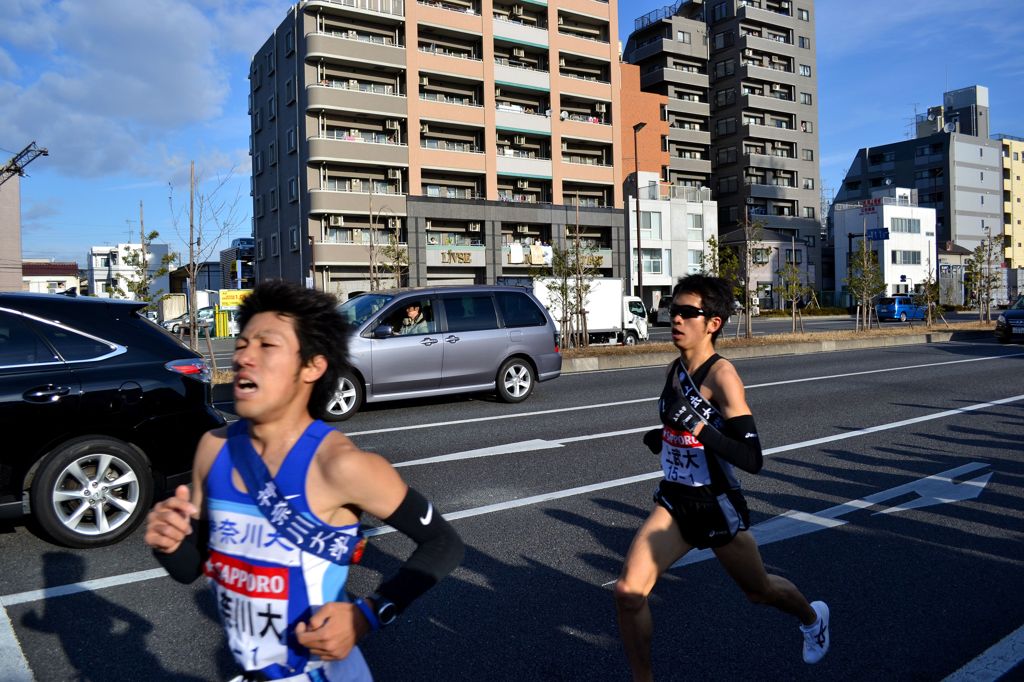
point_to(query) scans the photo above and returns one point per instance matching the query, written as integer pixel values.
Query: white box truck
(612, 318)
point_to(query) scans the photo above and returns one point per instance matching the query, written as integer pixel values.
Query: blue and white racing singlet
(263, 583)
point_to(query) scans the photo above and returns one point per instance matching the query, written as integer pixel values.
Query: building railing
(446, 53)
(375, 138)
(438, 97)
(445, 146)
(874, 201)
(374, 88)
(504, 61)
(448, 6)
(361, 37)
(393, 7)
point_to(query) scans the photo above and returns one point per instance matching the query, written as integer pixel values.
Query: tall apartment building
(1013, 200)
(468, 131)
(741, 81)
(952, 163)
(10, 234)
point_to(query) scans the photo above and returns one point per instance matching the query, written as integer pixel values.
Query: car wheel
(903, 317)
(346, 400)
(175, 328)
(629, 339)
(515, 381)
(92, 492)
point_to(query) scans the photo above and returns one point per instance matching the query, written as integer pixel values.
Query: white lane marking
(521, 415)
(12, 658)
(84, 586)
(994, 662)
(541, 444)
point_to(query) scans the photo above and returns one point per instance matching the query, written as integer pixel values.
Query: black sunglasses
(687, 312)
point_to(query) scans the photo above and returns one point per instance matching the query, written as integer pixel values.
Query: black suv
(103, 408)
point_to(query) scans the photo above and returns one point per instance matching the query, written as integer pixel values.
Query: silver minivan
(415, 343)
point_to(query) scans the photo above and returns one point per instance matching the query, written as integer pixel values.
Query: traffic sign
(878, 234)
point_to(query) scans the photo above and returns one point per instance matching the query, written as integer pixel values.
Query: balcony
(686, 164)
(763, 132)
(776, 73)
(340, 45)
(509, 74)
(452, 157)
(770, 161)
(332, 201)
(670, 75)
(772, 103)
(760, 191)
(522, 166)
(391, 8)
(689, 136)
(764, 16)
(520, 33)
(347, 99)
(355, 149)
(769, 45)
(514, 117)
(326, 253)
(691, 107)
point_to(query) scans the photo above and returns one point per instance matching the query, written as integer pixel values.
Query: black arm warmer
(185, 564)
(438, 551)
(737, 443)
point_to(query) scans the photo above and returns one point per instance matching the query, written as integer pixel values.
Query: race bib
(682, 458)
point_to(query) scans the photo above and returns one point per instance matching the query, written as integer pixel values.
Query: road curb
(605, 362)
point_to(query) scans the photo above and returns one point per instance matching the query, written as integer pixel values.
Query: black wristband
(185, 564)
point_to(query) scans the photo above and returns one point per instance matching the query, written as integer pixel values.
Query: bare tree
(139, 285)
(928, 295)
(751, 245)
(211, 215)
(982, 277)
(865, 280)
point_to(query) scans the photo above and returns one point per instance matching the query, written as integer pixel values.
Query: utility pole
(190, 270)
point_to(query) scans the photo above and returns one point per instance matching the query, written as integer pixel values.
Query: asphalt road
(904, 465)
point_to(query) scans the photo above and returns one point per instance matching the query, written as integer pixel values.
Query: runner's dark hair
(715, 297)
(321, 330)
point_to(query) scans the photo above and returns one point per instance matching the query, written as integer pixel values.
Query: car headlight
(1001, 319)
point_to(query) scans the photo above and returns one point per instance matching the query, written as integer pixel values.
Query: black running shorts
(704, 523)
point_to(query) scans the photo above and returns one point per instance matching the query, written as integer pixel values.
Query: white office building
(906, 254)
(109, 272)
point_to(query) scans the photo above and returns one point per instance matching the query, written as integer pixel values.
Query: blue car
(900, 308)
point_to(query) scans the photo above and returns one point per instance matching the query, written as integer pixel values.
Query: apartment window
(727, 185)
(270, 62)
(272, 154)
(664, 112)
(981, 175)
(664, 143)
(273, 200)
(806, 126)
(289, 88)
(805, 70)
(906, 257)
(726, 155)
(906, 225)
(250, 144)
(271, 108)
(257, 209)
(794, 256)
(652, 261)
(289, 42)
(292, 140)
(808, 155)
(650, 224)
(293, 189)
(805, 42)
(725, 126)
(694, 261)
(982, 197)
(803, 15)
(725, 68)
(719, 12)
(257, 120)
(260, 252)
(808, 183)
(1016, 156)
(808, 211)
(257, 162)
(293, 238)
(805, 98)
(721, 39)
(761, 256)
(695, 227)
(256, 76)
(273, 245)
(683, 36)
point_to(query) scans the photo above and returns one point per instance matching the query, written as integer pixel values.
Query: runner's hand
(653, 441)
(333, 630)
(170, 521)
(681, 415)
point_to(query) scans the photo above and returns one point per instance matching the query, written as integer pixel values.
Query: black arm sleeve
(185, 564)
(438, 551)
(737, 443)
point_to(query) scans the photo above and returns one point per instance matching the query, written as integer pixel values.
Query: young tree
(982, 278)
(211, 215)
(751, 246)
(143, 274)
(928, 294)
(395, 256)
(865, 280)
(793, 289)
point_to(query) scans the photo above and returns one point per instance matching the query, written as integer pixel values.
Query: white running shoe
(816, 635)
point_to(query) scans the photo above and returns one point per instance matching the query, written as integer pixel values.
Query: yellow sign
(232, 298)
(460, 257)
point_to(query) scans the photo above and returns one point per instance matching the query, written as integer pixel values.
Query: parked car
(900, 308)
(104, 410)
(437, 341)
(1010, 323)
(205, 317)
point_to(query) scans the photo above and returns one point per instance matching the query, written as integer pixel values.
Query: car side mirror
(383, 331)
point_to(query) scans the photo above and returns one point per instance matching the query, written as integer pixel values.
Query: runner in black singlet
(708, 429)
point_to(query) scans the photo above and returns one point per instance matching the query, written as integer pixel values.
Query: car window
(358, 309)
(19, 345)
(886, 301)
(470, 312)
(413, 316)
(73, 346)
(517, 310)
(637, 308)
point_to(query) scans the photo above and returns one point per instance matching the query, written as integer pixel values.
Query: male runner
(707, 430)
(278, 560)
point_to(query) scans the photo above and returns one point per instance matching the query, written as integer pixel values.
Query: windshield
(359, 309)
(1019, 305)
(886, 301)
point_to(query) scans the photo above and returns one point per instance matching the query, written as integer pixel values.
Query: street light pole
(636, 176)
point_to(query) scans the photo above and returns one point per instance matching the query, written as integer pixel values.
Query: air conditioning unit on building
(518, 52)
(600, 107)
(394, 174)
(392, 223)
(430, 223)
(352, 34)
(357, 185)
(497, 92)
(424, 128)
(519, 139)
(424, 80)
(565, 145)
(474, 227)
(353, 84)
(748, 52)
(517, 10)
(391, 124)
(336, 221)
(523, 184)
(561, 61)
(561, 20)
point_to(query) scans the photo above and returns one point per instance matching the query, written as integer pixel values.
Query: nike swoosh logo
(425, 520)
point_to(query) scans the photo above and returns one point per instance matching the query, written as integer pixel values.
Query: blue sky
(124, 95)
